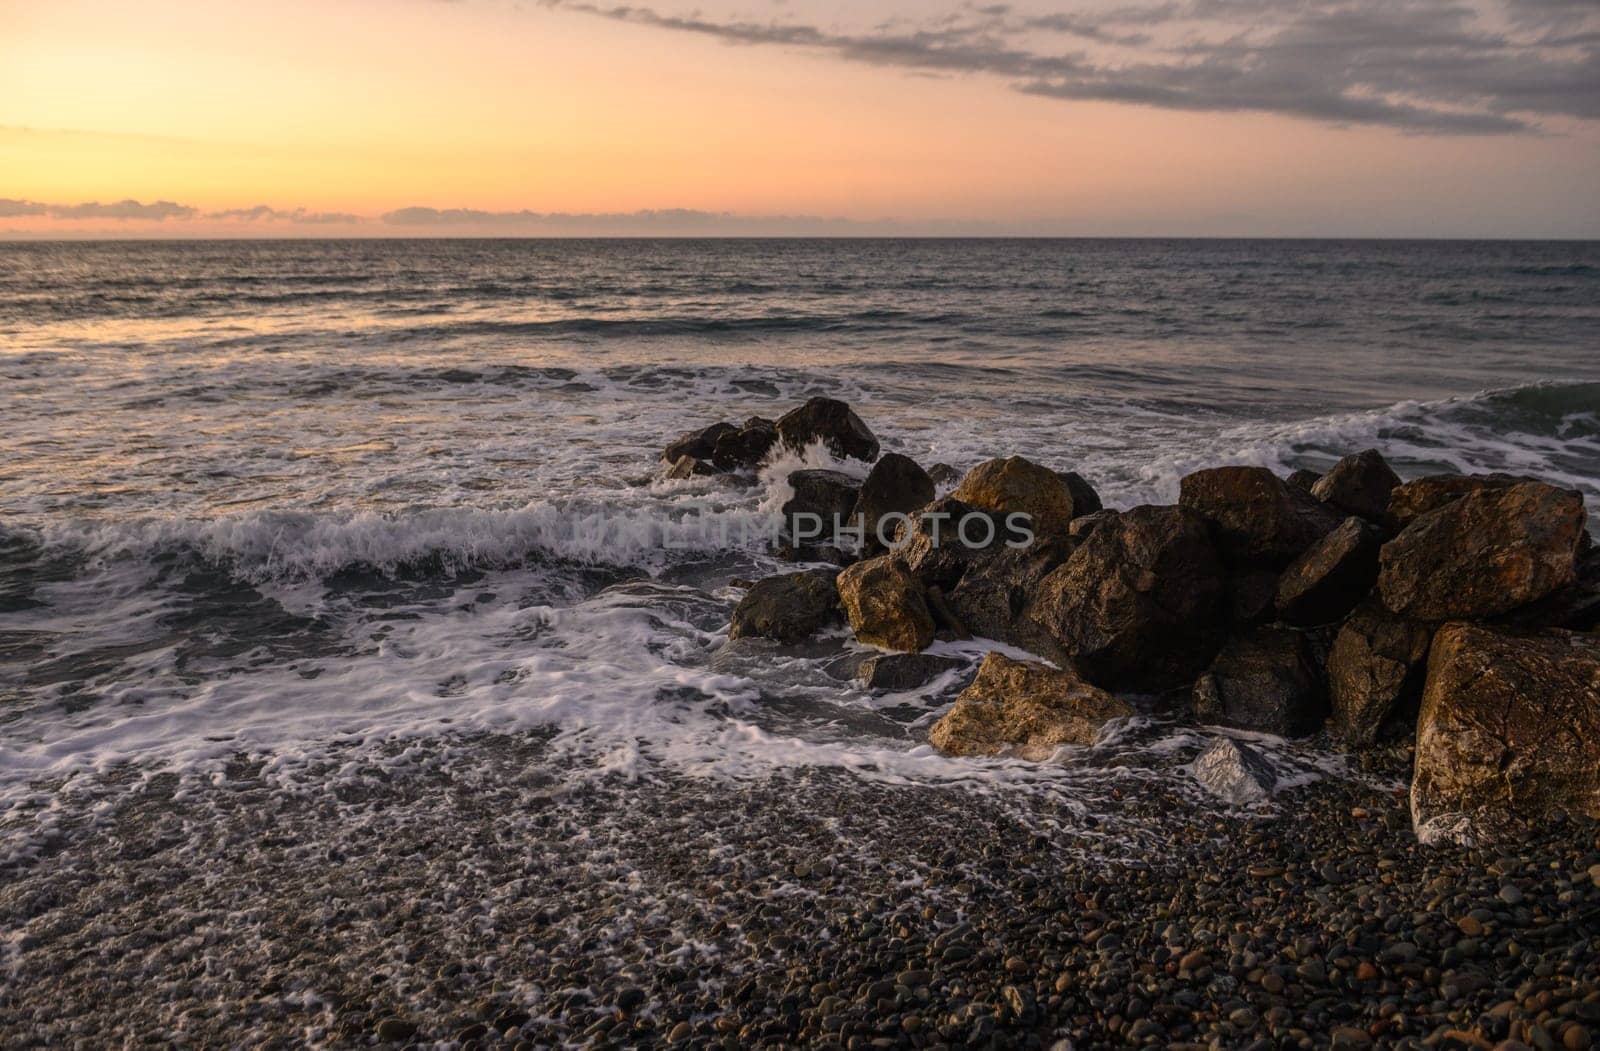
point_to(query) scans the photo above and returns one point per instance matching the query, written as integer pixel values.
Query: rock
(688, 467)
(1302, 480)
(827, 497)
(1252, 596)
(1259, 519)
(1138, 605)
(1483, 554)
(1234, 772)
(1375, 672)
(895, 486)
(1509, 731)
(1575, 606)
(1420, 496)
(1083, 525)
(904, 671)
(933, 548)
(1085, 498)
(885, 605)
(1330, 576)
(697, 444)
(395, 1029)
(944, 475)
(832, 423)
(993, 592)
(828, 553)
(746, 447)
(1023, 707)
(1016, 486)
(1265, 679)
(1359, 485)
(788, 607)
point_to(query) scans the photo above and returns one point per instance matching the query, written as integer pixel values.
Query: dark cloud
(263, 214)
(130, 209)
(1421, 66)
(10, 208)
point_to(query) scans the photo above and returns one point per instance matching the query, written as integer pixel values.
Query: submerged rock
(831, 422)
(1234, 772)
(1375, 673)
(1330, 576)
(1024, 708)
(904, 671)
(1265, 679)
(1509, 731)
(1258, 517)
(896, 485)
(788, 607)
(1139, 604)
(1484, 554)
(685, 467)
(1015, 485)
(1359, 485)
(885, 605)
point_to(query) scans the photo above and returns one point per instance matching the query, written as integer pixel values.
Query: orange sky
(361, 107)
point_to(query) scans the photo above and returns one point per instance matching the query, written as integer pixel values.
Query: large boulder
(1423, 495)
(904, 671)
(746, 447)
(1375, 671)
(788, 607)
(1139, 604)
(1484, 554)
(895, 486)
(885, 605)
(933, 545)
(1509, 732)
(1259, 519)
(1026, 709)
(697, 444)
(832, 423)
(1330, 576)
(1265, 679)
(1234, 772)
(992, 594)
(1252, 595)
(1085, 497)
(1014, 485)
(829, 496)
(1358, 485)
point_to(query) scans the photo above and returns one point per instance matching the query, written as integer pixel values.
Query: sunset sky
(1129, 117)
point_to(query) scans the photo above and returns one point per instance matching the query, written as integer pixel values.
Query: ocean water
(298, 499)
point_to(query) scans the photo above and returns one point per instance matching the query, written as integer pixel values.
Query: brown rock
(746, 447)
(1330, 576)
(1375, 673)
(1302, 479)
(788, 607)
(1358, 485)
(828, 496)
(1509, 731)
(1265, 679)
(1420, 496)
(885, 605)
(832, 423)
(1483, 554)
(1139, 604)
(697, 444)
(896, 485)
(933, 548)
(1024, 708)
(992, 594)
(1017, 486)
(688, 467)
(1085, 498)
(1258, 518)
(1252, 596)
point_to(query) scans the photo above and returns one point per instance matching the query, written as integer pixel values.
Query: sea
(312, 501)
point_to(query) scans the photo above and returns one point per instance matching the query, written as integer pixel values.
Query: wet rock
(934, 546)
(1234, 772)
(1302, 479)
(745, 447)
(698, 444)
(904, 671)
(1509, 731)
(1483, 554)
(1375, 673)
(1421, 496)
(885, 605)
(895, 486)
(1258, 518)
(944, 475)
(1330, 576)
(1252, 596)
(991, 596)
(832, 423)
(1017, 486)
(685, 467)
(1264, 679)
(788, 607)
(826, 498)
(395, 1029)
(1080, 527)
(831, 554)
(1358, 485)
(1024, 708)
(1139, 604)
(1575, 606)
(1085, 497)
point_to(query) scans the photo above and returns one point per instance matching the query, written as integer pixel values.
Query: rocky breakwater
(1457, 612)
